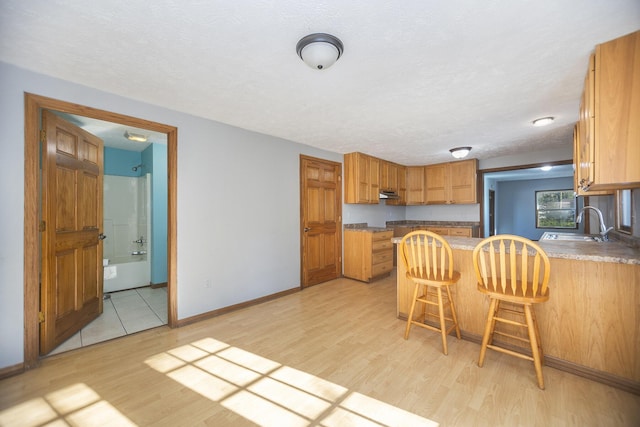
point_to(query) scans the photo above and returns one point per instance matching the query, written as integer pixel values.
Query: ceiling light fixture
(319, 50)
(135, 136)
(460, 152)
(546, 168)
(543, 121)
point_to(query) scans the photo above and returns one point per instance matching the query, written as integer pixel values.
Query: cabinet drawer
(381, 245)
(381, 268)
(462, 232)
(439, 230)
(380, 257)
(385, 235)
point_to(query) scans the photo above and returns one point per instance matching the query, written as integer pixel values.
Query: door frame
(33, 106)
(483, 172)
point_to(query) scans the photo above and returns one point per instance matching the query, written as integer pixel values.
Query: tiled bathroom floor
(124, 313)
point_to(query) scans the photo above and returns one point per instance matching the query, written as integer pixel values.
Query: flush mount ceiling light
(460, 152)
(135, 136)
(546, 168)
(543, 121)
(319, 50)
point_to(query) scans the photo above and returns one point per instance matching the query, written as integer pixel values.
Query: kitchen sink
(571, 237)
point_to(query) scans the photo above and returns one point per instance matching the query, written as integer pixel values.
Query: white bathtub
(130, 273)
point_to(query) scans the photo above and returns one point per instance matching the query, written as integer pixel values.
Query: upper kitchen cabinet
(388, 176)
(608, 133)
(415, 185)
(402, 187)
(362, 178)
(452, 183)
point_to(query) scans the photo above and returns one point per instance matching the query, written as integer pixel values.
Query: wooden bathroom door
(71, 258)
(321, 220)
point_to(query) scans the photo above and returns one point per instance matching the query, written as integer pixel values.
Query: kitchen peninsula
(591, 324)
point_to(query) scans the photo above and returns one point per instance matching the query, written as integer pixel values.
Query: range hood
(388, 194)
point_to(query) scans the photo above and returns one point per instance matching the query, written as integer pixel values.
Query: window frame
(562, 198)
(619, 208)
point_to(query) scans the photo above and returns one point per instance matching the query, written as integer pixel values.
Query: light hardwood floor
(331, 355)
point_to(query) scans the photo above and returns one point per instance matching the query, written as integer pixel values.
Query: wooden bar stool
(513, 270)
(429, 263)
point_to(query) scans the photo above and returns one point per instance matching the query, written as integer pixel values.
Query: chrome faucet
(603, 228)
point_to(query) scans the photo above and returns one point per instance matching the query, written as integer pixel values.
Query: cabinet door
(437, 183)
(586, 129)
(617, 113)
(578, 180)
(402, 187)
(362, 178)
(388, 176)
(374, 180)
(462, 179)
(415, 185)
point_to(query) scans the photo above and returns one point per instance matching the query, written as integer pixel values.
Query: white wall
(238, 198)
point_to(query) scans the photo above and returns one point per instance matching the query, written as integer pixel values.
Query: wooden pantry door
(321, 220)
(72, 187)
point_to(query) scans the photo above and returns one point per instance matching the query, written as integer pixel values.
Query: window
(556, 209)
(624, 211)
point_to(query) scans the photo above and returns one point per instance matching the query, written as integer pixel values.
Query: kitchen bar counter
(590, 325)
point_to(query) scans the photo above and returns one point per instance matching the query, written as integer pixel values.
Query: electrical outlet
(207, 283)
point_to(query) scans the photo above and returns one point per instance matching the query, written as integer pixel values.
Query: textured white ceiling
(417, 77)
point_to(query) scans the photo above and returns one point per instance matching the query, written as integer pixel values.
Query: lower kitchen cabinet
(368, 254)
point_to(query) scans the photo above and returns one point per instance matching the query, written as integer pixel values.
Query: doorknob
(306, 229)
(101, 236)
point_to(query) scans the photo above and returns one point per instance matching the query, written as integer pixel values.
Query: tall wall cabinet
(607, 135)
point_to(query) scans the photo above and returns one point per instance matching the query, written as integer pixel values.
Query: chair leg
(534, 344)
(413, 306)
(535, 324)
(488, 330)
(443, 326)
(453, 313)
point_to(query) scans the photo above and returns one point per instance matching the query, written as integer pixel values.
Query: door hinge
(43, 135)
(41, 317)
(42, 226)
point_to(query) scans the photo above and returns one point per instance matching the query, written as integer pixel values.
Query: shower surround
(127, 204)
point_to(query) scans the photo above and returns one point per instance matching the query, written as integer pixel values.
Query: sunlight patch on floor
(270, 394)
(76, 405)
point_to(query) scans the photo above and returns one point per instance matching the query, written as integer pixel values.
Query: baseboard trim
(235, 307)
(158, 285)
(10, 371)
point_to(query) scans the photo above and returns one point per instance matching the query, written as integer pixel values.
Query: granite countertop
(369, 229)
(415, 223)
(582, 251)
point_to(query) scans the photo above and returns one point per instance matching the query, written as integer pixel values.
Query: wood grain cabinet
(362, 178)
(607, 136)
(415, 185)
(388, 176)
(368, 255)
(402, 187)
(444, 183)
(451, 183)
(453, 231)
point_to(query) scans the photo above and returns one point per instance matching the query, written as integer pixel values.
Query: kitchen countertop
(365, 228)
(369, 229)
(612, 251)
(417, 223)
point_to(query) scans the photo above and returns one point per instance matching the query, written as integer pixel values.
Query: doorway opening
(34, 105)
(497, 220)
(133, 232)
